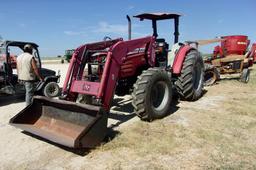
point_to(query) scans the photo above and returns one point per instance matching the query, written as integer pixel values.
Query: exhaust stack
(129, 27)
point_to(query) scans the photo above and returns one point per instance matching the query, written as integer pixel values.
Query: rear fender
(180, 57)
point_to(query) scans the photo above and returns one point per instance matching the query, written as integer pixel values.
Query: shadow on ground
(10, 99)
(125, 107)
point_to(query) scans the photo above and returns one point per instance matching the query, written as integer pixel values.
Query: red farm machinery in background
(253, 52)
(230, 57)
(145, 67)
(234, 44)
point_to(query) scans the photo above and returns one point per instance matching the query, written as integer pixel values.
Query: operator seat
(161, 52)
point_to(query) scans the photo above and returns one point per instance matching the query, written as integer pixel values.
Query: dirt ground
(215, 132)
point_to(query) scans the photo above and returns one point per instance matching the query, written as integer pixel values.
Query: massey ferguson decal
(86, 87)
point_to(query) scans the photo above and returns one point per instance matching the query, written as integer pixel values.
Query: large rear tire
(190, 82)
(152, 94)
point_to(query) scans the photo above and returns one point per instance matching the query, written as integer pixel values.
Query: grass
(222, 137)
(237, 150)
(146, 138)
(243, 101)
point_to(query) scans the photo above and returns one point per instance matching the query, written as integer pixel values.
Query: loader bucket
(63, 122)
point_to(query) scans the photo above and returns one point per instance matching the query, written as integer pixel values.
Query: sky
(57, 25)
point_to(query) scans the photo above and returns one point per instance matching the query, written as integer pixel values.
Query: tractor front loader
(144, 66)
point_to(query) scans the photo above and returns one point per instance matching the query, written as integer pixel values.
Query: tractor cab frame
(154, 17)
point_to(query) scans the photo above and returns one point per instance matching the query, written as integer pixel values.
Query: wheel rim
(159, 95)
(52, 90)
(197, 76)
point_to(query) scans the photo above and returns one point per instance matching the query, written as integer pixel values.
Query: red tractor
(146, 66)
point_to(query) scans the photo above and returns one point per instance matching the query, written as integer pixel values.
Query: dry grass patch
(145, 138)
(215, 132)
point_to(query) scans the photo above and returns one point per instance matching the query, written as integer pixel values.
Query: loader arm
(116, 57)
(78, 57)
(103, 90)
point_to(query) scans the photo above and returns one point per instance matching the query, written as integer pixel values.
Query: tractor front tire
(190, 82)
(245, 76)
(152, 94)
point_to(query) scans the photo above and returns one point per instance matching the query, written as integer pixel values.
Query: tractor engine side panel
(132, 64)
